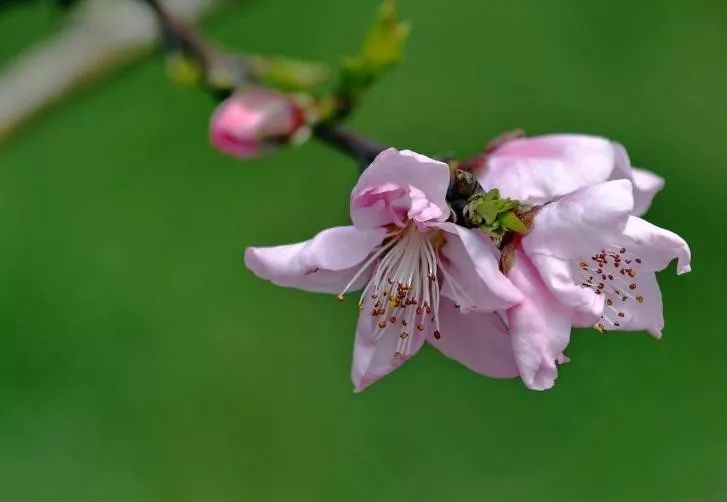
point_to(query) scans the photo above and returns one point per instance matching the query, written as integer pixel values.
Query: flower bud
(253, 121)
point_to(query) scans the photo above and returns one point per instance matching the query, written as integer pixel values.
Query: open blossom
(418, 272)
(252, 120)
(540, 169)
(586, 262)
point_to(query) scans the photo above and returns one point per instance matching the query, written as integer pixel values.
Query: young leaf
(384, 45)
(487, 209)
(510, 221)
(382, 49)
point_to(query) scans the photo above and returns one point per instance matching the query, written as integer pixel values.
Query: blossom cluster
(503, 307)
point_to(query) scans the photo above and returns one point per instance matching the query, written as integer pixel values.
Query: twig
(96, 37)
(362, 149)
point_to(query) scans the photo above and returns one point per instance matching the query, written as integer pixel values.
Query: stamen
(404, 286)
(365, 266)
(613, 286)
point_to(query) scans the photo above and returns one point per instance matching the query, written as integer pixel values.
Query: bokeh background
(140, 361)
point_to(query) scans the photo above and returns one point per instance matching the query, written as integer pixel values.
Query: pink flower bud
(252, 121)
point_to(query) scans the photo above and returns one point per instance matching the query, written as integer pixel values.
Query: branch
(361, 149)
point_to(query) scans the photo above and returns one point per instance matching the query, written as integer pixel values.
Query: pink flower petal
(472, 275)
(400, 185)
(655, 246)
(243, 123)
(579, 223)
(323, 264)
(543, 168)
(646, 184)
(540, 327)
(646, 313)
(557, 275)
(374, 358)
(478, 341)
(421, 209)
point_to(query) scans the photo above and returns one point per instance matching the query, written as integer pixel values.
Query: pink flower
(586, 262)
(254, 120)
(418, 272)
(540, 169)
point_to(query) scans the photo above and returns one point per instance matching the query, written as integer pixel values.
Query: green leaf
(487, 209)
(493, 194)
(384, 45)
(504, 205)
(382, 49)
(510, 221)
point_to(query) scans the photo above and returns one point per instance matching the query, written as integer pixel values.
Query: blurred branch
(99, 35)
(362, 149)
(175, 33)
(60, 3)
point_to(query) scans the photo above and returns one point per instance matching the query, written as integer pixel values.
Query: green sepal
(487, 209)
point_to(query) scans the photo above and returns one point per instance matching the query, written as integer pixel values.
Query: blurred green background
(140, 361)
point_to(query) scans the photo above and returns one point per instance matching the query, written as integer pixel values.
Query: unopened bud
(253, 121)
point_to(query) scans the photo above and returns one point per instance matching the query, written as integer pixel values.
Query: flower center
(402, 294)
(611, 272)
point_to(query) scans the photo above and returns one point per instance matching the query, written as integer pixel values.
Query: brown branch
(362, 149)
